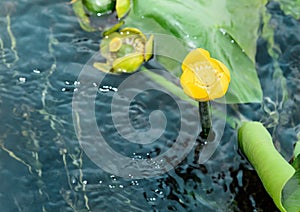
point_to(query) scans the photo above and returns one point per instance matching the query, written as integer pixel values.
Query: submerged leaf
(290, 7)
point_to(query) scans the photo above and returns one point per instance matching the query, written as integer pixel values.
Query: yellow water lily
(204, 78)
(124, 51)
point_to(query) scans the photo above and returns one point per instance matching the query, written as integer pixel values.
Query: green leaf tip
(274, 172)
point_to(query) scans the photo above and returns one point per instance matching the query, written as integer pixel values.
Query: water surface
(42, 165)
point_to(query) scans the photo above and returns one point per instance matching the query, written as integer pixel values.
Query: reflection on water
(42, 166)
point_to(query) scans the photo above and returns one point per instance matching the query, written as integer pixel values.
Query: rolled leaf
(274, 172)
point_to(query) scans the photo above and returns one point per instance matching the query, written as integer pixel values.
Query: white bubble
(22, 79)
(36, 71)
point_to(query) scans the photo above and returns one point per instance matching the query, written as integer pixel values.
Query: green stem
(205, 119)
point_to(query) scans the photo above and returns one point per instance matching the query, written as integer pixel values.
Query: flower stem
(205, 119)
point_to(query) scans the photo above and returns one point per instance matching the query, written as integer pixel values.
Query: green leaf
(296, 162)
(291, 194)
(227, 29)
(274, 172)
(291, 191)
(297, 149)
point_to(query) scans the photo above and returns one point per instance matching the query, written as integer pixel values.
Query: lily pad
(227, 29)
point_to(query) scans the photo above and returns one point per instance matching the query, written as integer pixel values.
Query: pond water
(42, 164)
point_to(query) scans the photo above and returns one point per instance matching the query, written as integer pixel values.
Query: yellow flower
(204, 78)
(125, 51)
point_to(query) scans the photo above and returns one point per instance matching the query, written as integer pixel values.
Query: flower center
(205, 73)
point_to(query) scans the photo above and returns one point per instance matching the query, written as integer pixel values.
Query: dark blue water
(44, 168)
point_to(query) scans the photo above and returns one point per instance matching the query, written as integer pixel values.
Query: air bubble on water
(67, 82)
(136, 157)
(121, 186)
(187, 36)
(22, 79)
(142, 17)
(36, 71)
(73, 180)
(111, 186)
(95, 84)
(84, 182)
(243, 50)
(134, 182)
(63, 89)
(223, 31)
(107, 88)
(113, 177)
(152, 199)
(195, 37)
(232, 41)
(100, 181)
(76, 83)
(157, 191)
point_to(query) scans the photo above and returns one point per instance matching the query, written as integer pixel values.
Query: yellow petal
(220, 88)
(195, 56)
(222, 67)
(102, 67)
(115, 44)
(133, 31)
(122, 8)
(149, 48)
(204, 52)
(204, 78)
(192, 88)
(128, 63)
(104, 45)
